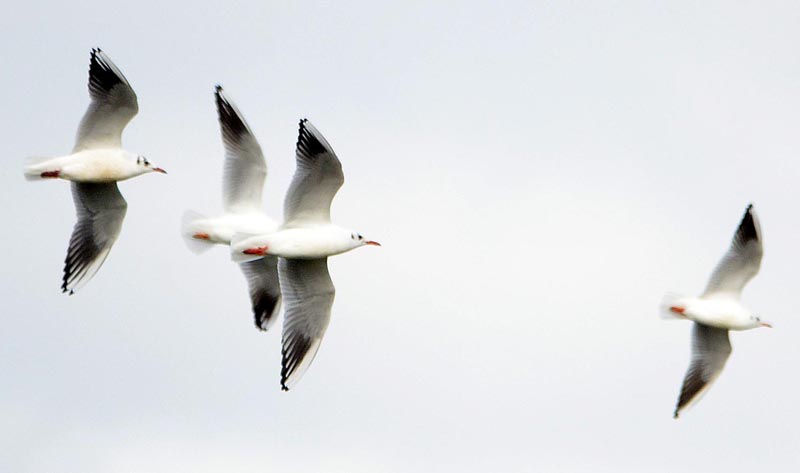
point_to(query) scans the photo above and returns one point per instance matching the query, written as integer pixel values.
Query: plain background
(540, 174)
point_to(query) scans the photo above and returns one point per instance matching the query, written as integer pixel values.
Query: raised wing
(245, 169)
(741, 262)
(308, 297)
(316, 180)
(113, 105)
(265, 290)
(710, 350)
(101, 210)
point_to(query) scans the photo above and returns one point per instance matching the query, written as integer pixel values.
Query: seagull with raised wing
(303, 244)
(95, 166)
(243, 178)
(718, 310)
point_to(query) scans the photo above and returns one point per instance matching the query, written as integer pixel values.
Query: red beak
(159, 170)
(764, 324)
(373, 243)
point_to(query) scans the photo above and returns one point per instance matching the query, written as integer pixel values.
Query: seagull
(95, 166)
(718, 310)
(303, 244)
(243, 180)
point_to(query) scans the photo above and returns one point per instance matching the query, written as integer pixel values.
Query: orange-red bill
(373, 243)
(258, 251)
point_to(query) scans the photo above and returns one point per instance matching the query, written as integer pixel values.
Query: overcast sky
(539, 174)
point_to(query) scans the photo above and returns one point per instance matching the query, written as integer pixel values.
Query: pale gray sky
(539, 173)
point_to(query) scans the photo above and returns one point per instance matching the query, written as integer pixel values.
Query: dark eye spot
(360, 237)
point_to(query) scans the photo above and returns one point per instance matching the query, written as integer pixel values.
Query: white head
(357, 240)
(757, 322)
(144, 166)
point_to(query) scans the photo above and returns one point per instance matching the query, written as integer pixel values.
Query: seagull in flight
(303, 244)
(95, 166)
(243, 178)
(718, 310)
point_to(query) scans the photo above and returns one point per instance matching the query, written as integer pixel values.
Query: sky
(539, 174)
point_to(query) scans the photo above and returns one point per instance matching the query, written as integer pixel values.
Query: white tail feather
(189, 228)
(35, 166)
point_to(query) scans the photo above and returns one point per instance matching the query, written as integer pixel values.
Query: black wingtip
(747, 227)
(310, 141)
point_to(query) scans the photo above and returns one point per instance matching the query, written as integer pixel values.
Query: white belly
(220, 230)
(728, 314)
(300, 243)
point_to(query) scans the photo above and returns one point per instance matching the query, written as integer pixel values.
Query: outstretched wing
(265, 290)
(710, 350)
(113, 105)
(316, 180)
(308, 297)
(245, 169)
(101, 210)
(741, 262)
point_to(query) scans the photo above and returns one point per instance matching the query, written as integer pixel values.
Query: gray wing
(265, 290)
(113, 105)
(245, 169)
(101, 209)
(710, 350)
(742, 261)
(316, 180)
(308, 297)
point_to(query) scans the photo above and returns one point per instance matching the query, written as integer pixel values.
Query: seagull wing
(741, 262)
(316, 180)
(101, 210)
(710, 350)
(113, 105)
(308, 297)
(245, 169)
(265, 290)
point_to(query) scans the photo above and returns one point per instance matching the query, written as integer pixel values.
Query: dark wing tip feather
(103, 74)
(310, 142)
(292, 353)
(748, 229)
(230, 120)
(265, 308)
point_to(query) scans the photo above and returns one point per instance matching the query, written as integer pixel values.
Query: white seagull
(96, 164)
(242, 182)
(718, 310)
(303, 243)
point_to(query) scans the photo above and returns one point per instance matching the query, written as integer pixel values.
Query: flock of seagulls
(287, 263)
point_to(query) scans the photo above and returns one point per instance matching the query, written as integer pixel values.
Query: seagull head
(757, 322)
(144, 166)
(359, 240)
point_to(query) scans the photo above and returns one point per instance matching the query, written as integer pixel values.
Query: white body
(721, 313)
(220, 230)
(91, 165)
(307, 242)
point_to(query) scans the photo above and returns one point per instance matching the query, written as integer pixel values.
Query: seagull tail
(37, 169)
(189, 228)
(672, 306)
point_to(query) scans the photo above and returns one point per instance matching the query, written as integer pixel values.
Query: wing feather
(317, 178)
(101, 210)
(113, 105)
(308, 295)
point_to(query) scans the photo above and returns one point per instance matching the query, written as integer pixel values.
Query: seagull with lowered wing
(303, 244)
(95, 166)
(243, 178)
(718, 310)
